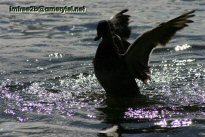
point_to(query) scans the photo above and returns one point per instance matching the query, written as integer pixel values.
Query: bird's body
(118, 63)
(112, 72)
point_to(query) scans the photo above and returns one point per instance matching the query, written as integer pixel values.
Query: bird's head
(103, 29)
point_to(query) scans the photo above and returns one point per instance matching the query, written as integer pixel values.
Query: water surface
(47, 84)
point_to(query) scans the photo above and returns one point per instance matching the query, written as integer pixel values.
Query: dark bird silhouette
(118, 63)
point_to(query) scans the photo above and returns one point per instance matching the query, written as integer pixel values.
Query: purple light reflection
(9, 111)
(145, 113)
(22, 119)
(174, 123)
(162, 115)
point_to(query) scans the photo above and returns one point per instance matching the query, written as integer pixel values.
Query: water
(47, 85)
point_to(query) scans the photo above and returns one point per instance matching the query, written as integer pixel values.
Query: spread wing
(120, 22)
(137, 55)
(121, 31)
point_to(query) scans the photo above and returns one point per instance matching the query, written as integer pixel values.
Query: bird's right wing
(137, 55)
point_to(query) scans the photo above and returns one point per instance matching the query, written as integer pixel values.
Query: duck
(118, 63)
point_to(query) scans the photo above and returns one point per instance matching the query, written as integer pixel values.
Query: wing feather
(137, 55)
(120, 22)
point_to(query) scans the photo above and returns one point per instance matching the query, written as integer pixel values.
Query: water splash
(182, 47)
(177, 84)
(66, 96)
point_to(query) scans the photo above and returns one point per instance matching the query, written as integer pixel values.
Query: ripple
(47, 85)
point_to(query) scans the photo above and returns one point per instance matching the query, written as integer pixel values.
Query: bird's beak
(97, 38)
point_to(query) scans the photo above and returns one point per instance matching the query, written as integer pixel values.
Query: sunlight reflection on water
(47, 85)
(156, 114)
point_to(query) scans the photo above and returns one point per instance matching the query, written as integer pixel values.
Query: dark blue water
(47, 84)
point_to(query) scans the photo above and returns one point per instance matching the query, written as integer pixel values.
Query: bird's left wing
(120, 22)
